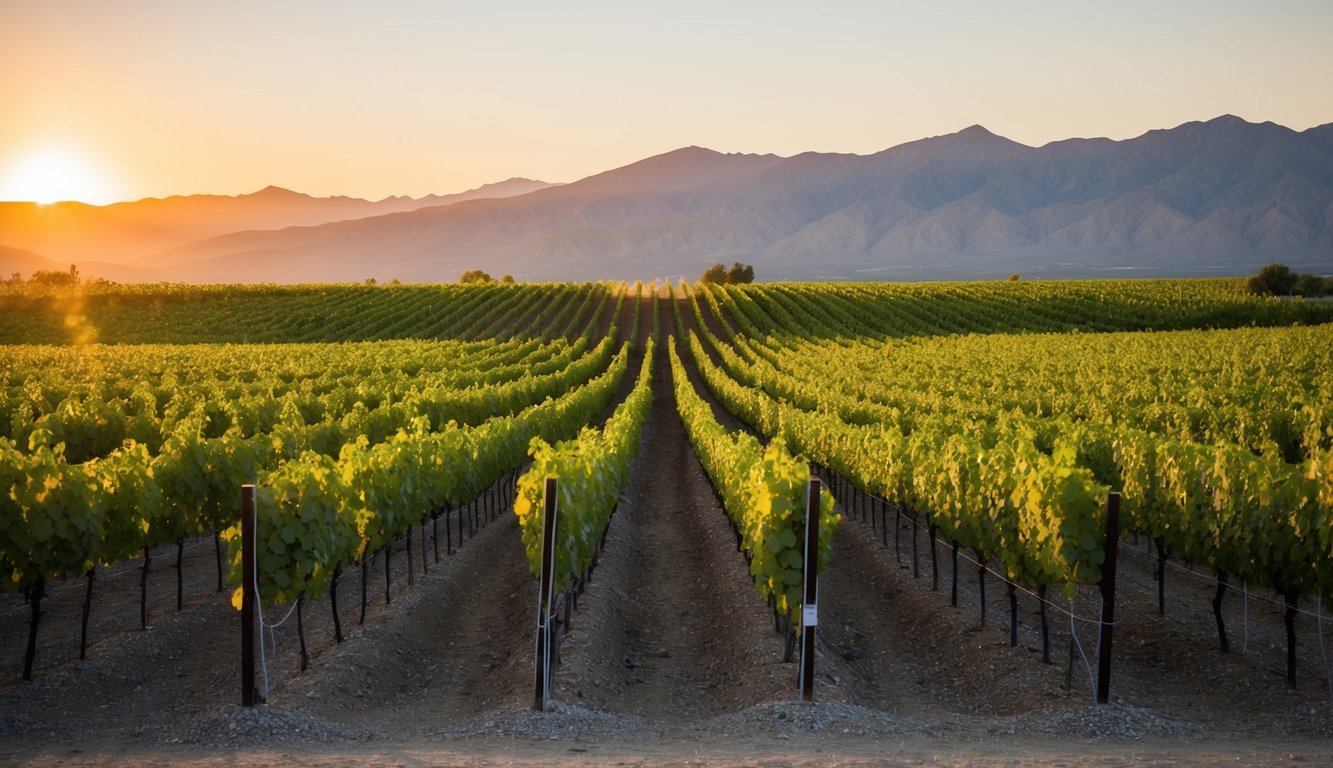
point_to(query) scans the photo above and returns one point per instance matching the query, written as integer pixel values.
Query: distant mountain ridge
(1204, 198)
(125, 232)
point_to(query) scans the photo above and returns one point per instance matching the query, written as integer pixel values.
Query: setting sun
(52, 175)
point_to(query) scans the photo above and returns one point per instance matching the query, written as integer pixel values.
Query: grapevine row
(1040, 515)
(317, 513)
(591, 469)
(267, 313)
(763, 490)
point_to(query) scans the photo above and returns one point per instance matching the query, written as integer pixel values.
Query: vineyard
(399, 438)
(1016, 465)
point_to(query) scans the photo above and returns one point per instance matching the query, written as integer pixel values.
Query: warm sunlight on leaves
(52, 175)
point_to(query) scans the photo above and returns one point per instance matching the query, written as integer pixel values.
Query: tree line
(1279, 280)
(48, 277)
(480, 276)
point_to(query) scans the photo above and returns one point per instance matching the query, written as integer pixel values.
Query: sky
(105, 101)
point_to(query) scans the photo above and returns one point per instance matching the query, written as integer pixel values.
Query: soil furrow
(670, 627)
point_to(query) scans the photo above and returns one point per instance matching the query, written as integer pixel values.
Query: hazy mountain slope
(434, 243)
(25, 263)
(125, 232)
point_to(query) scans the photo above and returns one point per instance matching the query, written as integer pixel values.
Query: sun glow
(52, 175)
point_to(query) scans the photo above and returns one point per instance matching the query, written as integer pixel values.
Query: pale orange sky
(151, 98)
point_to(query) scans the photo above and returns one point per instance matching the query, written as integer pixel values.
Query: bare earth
(671, 659)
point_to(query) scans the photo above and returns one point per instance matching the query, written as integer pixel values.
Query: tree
(1272, 280)
(476, 276)
(714, 274)
(1310, 285)
(507, 279)
(740, 273)
(1014, 277)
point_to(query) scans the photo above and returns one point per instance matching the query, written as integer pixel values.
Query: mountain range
(1220, 197)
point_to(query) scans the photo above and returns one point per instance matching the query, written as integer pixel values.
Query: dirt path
(670, 628)
(460, 647)
(114, 610)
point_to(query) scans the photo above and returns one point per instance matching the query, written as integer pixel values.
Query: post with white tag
(810, 593)
(546, 598)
